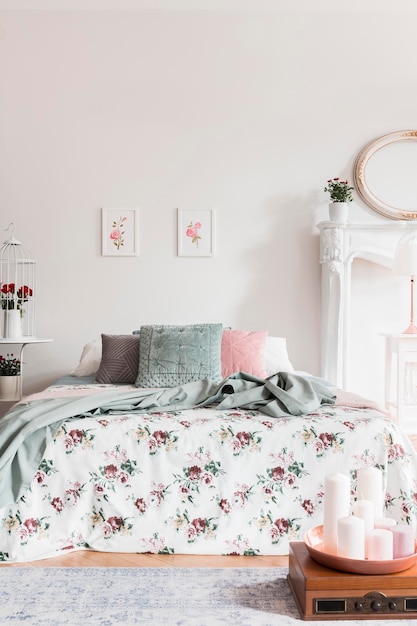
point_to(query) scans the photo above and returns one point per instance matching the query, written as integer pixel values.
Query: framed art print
(119, 232)
(196, 232)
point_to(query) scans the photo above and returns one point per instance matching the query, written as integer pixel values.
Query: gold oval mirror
(385, 175)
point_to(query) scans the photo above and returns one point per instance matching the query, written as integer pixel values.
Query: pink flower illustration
(117, 232)
(192, 232)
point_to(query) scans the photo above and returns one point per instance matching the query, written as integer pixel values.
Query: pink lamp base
(411, 330)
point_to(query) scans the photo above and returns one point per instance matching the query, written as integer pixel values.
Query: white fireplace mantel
(340, 244)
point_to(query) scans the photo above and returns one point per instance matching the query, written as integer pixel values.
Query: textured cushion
(243, 351)
(89, 360)
(173, 355)
(120, 359)
(276, 356)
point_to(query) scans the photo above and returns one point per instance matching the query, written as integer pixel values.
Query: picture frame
(196, 232)
(119, 232)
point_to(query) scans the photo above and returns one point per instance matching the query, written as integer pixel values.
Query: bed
(189, 440)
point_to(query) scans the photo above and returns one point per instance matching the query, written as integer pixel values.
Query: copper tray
(313, 540)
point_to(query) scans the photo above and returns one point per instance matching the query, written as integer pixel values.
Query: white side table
(401, 379)
(21, 342)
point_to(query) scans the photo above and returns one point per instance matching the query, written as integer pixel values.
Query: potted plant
(340, 197)
(10, 369)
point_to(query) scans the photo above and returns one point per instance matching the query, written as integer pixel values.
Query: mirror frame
(359, 175)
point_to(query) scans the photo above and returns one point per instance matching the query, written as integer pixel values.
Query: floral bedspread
(199, 481)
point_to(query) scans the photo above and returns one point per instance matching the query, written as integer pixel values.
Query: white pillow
(90, 359)
(276, 356)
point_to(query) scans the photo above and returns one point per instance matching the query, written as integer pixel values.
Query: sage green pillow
(170, 356)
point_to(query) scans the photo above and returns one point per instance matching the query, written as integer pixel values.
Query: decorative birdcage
(17, 290)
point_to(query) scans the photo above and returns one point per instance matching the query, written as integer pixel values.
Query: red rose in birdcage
(12, 299)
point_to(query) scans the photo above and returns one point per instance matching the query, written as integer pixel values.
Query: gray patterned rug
(127, 596)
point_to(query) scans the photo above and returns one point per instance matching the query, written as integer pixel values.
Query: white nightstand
(21, 342)
(401, 379)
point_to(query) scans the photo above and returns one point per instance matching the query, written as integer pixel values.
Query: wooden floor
(87, 558)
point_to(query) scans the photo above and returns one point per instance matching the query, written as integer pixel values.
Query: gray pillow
(173, 355)
(119, 360)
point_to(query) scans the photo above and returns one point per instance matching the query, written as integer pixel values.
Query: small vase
(12, 324)
(10, 388)
(339, 212)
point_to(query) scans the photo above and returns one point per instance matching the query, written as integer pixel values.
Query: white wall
(249, 110)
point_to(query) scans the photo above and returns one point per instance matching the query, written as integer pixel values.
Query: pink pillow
(243, 351)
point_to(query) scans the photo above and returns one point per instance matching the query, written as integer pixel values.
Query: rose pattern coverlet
(199, 481)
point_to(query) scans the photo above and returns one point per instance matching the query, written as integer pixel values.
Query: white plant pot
(12, 324)
(10, 388)
(339, 212)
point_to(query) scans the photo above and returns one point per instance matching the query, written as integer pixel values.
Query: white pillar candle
(365, 510)
(384, 522)
(379, 544)
(351, 537)
(336, 505)
(403, 537)
(369, 487)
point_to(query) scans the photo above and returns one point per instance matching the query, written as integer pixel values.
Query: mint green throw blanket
(28, 427)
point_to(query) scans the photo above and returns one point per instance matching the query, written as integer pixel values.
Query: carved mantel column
(340, 244)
